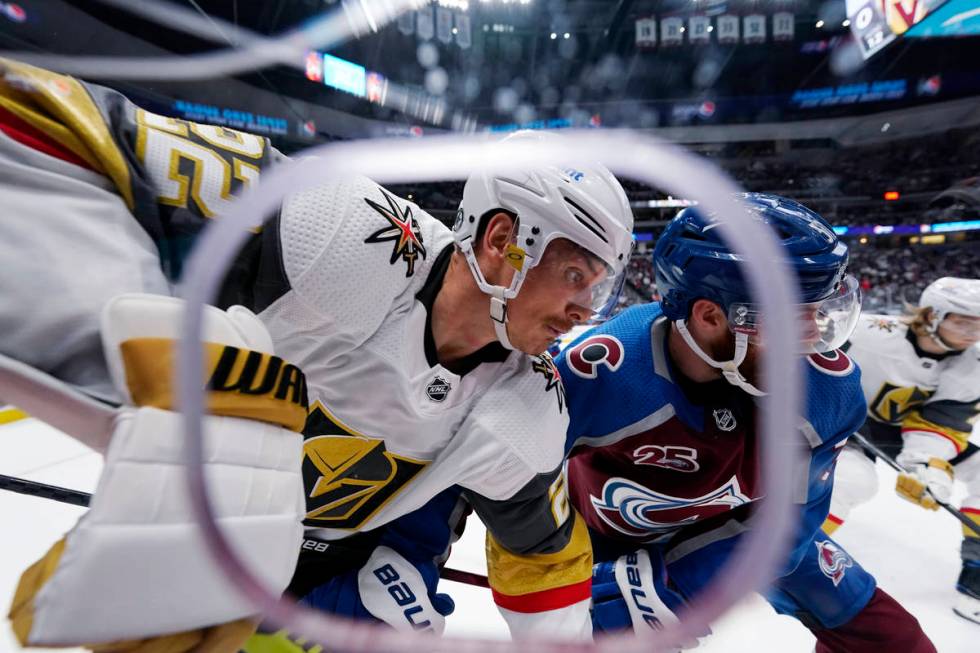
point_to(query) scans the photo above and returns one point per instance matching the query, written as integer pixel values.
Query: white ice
(913, 553)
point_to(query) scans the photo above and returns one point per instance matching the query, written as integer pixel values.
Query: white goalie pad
(135, 565)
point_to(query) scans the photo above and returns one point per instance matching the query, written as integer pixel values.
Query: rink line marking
(39, 468)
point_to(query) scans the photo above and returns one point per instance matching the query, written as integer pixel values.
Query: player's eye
(574, 276)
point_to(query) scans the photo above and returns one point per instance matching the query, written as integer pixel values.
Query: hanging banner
(670, 31)
(425, 25)
(697, 29)
(646, 32)
(783, 26)
(754, 28)
(406, 23)
(727, 28)
(463, 36)
(444, 24)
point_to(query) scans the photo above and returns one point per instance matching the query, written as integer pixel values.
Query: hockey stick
(44, 491)
(891, 462)
(79, 498)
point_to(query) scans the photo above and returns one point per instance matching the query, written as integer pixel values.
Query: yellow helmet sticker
(515, 256)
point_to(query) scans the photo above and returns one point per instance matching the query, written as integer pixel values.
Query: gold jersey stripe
(916, 422)
(19, 104)
(10, 414)
(513, 574)
(66, 108)
(239, 382)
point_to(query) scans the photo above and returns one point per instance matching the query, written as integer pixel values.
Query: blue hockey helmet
(691, 262)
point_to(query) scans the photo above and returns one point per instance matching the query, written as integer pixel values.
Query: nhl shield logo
(724, 419)
(438, 389)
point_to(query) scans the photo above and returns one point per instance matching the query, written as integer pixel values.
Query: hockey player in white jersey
(921, 379)
(419, 347)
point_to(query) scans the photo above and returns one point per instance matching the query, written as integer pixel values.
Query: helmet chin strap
(936, 338)
(498, 315)
(933, 330)
(729, 369)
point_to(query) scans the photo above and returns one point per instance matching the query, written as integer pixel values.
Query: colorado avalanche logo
(628, 507)
(403, 230)
(833, 560)
(586, 357)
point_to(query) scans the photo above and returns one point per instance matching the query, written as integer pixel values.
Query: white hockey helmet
(582, 202)
(950, 295)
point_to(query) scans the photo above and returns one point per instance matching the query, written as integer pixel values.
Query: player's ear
(709, 316)
(498, 233)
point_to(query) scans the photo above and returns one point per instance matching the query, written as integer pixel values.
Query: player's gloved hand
(928, 478)
(631, 592)
(388, 588)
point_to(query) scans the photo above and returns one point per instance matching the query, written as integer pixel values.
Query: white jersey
(343, 277)
(389, 426)
(914, 390)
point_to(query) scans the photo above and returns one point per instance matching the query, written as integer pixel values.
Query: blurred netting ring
(627, 154)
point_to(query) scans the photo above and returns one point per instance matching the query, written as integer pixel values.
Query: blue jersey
(652, 454)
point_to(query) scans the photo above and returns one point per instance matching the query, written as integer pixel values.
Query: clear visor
(582, 277)
(823, 326)
(961, 327)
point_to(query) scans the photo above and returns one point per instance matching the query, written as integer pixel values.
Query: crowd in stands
(889, 276)
(845, 185)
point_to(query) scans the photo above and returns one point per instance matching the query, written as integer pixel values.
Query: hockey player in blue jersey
(663, 445)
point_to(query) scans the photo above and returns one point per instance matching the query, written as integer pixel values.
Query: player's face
(959, 331)
(556, 295)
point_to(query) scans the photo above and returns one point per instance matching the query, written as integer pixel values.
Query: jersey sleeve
(835, 410)
(539, 557)
(176, 175)
(942, 425)
(173, 175)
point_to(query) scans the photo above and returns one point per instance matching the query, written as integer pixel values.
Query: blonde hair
(918, 319)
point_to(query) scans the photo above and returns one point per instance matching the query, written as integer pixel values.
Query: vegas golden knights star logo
(403, 229)
(544, 366)
(348, 477)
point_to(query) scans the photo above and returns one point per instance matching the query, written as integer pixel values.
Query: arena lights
(459, 5)
(891, 195)
(907, 229)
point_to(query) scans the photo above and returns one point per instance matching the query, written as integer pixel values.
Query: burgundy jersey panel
(647, 485)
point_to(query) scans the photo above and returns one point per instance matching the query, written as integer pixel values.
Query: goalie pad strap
(240, 382)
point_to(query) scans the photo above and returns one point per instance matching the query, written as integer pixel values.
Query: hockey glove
(927, 479)
(631, 592)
